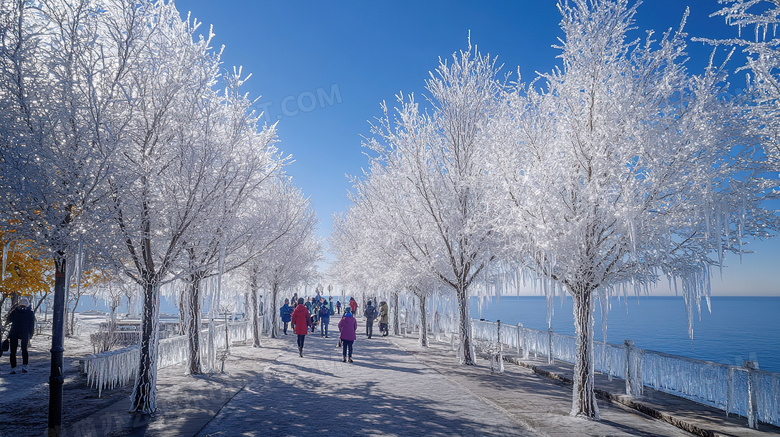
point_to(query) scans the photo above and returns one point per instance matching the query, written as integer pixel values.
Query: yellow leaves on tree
(27, 271)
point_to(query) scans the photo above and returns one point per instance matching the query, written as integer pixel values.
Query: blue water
(737, 329)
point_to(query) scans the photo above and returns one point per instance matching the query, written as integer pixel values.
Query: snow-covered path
(393, 388)
(386, 391)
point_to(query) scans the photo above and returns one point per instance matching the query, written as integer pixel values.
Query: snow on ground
(386, 391)
(25, 396)
(394, 387)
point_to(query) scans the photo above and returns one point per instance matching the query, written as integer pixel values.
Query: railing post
(520, 344)
(550, 359)
(730, 392)
(751, 367)
(499, 349)
(633, 370)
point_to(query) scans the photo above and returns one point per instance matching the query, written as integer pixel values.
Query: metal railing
(117, 368)
(743, 390)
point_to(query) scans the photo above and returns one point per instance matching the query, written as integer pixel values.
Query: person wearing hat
(347, 334)
(324, 314)
(285, 312)
(22, 320)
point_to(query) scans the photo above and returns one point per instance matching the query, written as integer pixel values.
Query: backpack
(324, 312)
(370, 312)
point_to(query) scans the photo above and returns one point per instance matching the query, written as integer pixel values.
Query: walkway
(394, 387)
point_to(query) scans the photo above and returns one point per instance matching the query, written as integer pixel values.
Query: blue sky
(323, 68)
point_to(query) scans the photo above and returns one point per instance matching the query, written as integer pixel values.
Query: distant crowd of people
(304, 315)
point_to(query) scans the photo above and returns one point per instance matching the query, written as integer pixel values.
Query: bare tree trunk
(72, 327)
(274, 318)
(396, 318)
(2, 316)
(423, 297)
(583, 396)
(37, 304)
(144, 397)
(466, 347)
(192, 322)
(182, 314)
(255, 314)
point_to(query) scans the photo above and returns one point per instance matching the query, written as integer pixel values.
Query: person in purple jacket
(347, 329)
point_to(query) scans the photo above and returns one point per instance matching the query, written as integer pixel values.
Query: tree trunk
(583, 396)
(144, 397)
(255, 315)
(37, 304)
(423, 319)
(72, 330)
(56, 378)
(3, 297)
(466, 348)
(182, 314)
(274, 311)
(396, 318)
(192, 323)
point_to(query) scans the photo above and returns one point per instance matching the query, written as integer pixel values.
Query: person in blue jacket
(324, 318)
(285, 312)
(22, 320)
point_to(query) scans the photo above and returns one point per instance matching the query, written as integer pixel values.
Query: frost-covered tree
(296, 250)
(626, 168)
(433, 196)
(371, 257)
(173, 167)
(243, 161)
(63, 71)
(757, 21)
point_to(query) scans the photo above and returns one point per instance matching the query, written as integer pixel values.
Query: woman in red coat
(300, 323)
(353, 305)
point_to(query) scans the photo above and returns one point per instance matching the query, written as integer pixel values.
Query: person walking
(324, 318)
(338, 307)
(300, 323)
(308, 303)
(22, 320)
(285, 312)
(347, 334)
(370, 314)
(384, 319)
(353, 305)
(331, 308)
(315, 316)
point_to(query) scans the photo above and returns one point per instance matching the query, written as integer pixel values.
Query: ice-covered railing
(111, 369)
(718, 385)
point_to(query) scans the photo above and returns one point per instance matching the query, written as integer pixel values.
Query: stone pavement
(394, 387)
(185, 403)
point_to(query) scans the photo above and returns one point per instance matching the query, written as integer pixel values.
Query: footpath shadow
(386, 391)
(314, 407)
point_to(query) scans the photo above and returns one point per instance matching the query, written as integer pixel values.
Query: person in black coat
(22, 320)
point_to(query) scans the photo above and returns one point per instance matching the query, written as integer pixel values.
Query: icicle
(707, 212)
